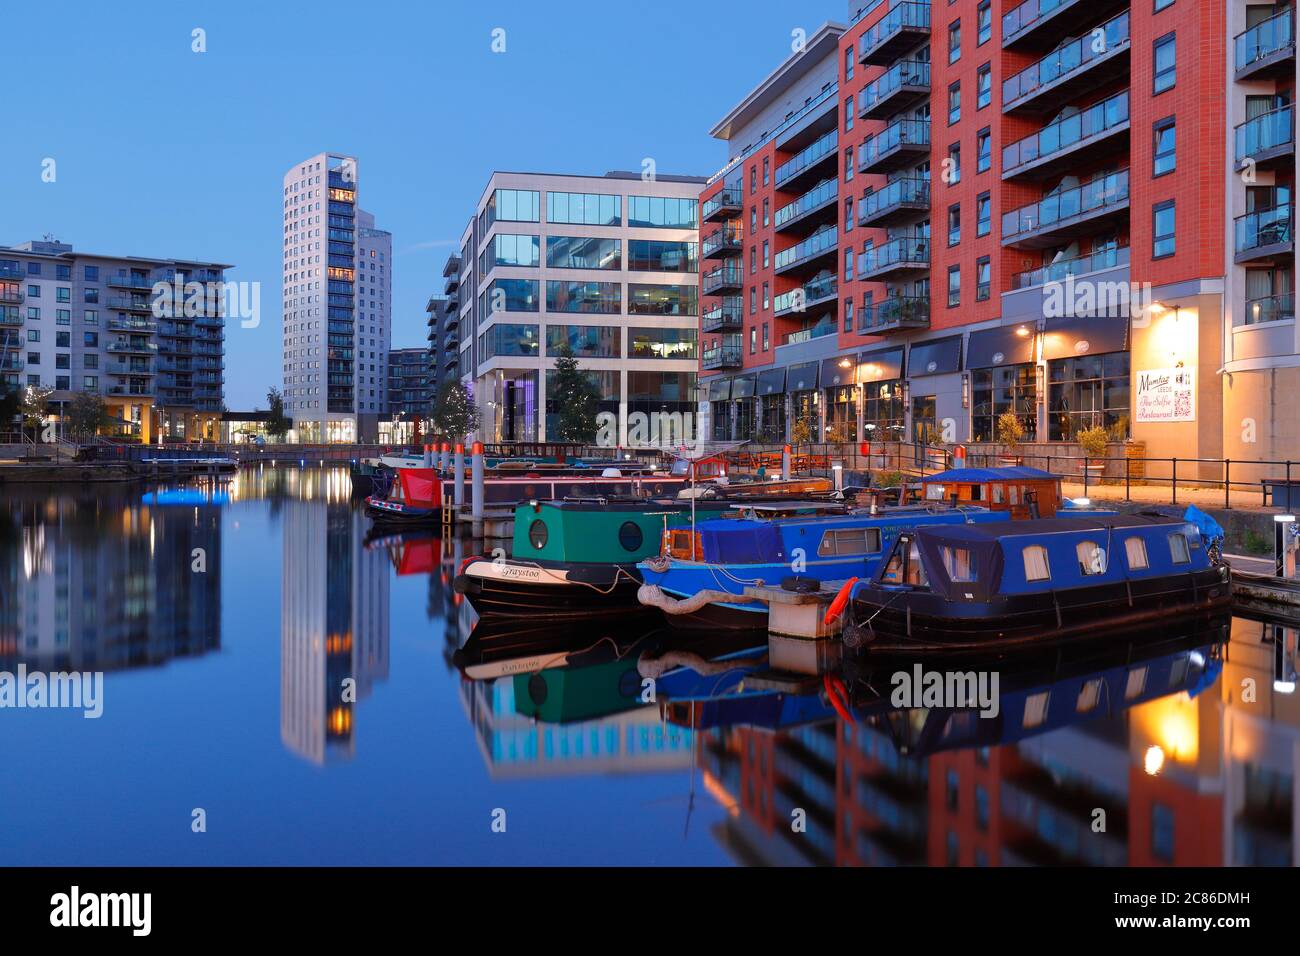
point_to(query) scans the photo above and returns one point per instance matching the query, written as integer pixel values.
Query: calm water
(219, 695)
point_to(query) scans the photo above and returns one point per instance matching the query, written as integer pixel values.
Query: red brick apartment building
(1079, 210)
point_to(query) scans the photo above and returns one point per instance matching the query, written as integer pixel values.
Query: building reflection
(334, 607)
(108, 580)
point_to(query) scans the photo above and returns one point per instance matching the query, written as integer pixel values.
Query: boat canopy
(740, 541)
(981, 475)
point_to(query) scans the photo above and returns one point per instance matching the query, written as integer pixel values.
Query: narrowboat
(1020, 491)
(697, 568)
(578, 557)
(1005, 584)
(414, 499)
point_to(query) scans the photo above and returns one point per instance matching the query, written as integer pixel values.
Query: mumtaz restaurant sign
(1166, 395)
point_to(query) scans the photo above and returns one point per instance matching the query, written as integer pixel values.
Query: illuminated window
(1036, 564)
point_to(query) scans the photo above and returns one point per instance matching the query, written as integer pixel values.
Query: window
(983, 278)
(984, 86)
(848, 265)
(954, 285)
(954, 41)
(848, 315)
(953, 172)
(753, 180)
(958, 563)
(512, 295)
(654, 255)
(767, 219)
(765, 253)
(848, 64)
(1136, 683)
(90, 273)
(1089, 695)
(848, 164)
(753, 338)
(1135, 553)
(1088, 391)
(1178, 552)
(1092, 558)
(1162, 234)
(658, 343)
(514, 205)
(983, 150)
(507, 250)
(661, 212)
(590, 297)
(853, 542)
(766, 166)
(1166, 64)
(848, 113)
(767, 297)
(33, 335)
(954, 224)
(983, 214)
(954, 103)
(1036, 708)
(1161, 4)
(753, 221)
(1037, 567)
(984, 20)
(1165, 155)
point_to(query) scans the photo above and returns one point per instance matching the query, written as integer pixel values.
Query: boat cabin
(1024, 492)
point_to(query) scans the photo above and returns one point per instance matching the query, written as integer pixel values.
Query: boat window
(934, 492)
(1135, 552)
(1092, 557)
(630, 536)
(893, 573)
(1137, 682)
(1178, 549)
(1193, 537)
(976, 492)
(1036, 566)
(1089, 695)
(999, 493)
(537, 534)
(1036, 709)
(1178, 671)
(958, 563)
(1013, 494)
(915, 569)
(850, 542)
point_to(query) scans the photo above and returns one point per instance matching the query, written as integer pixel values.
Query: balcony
(1070, 71)
(814, 208)
(11, 296)
(137, 391)
(904, 28)
(13, 363)
(140, 283)
(125, 368)
(727, 316)
(723, 241)
(11, 318)
(904, 84)
(901, 201)
(1266, 141)
(451, 341)
(806, 298)
(725, 278)
(815, 162)
(12, 272)
(896, 259)
(1265, 235)
(1071, 142)
(818, 331)
(1068, 214)
(808, 256)
(904, 142)
(727, 203)
(897, 313)
(132, 304)
(721, 356)
(1267, 50)
(132, 348)
(1042, 24)
(1081, 265)
(139, 326)
(1272, 308)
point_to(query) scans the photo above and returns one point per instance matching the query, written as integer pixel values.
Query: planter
(1010, 461)
(1094, 472)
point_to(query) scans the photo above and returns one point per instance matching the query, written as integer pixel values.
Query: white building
(337, 304)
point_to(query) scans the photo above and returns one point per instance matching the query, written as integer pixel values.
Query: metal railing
(1073, 57)
(1059, 208)
(1095, 121)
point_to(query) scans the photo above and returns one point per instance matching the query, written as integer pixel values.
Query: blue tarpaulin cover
(1210, 529)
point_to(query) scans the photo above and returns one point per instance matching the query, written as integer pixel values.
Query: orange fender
(837, 606)
(834, 689)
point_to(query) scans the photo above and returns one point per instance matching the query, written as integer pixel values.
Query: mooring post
(459, 464)
(476, 464)
(785, 463)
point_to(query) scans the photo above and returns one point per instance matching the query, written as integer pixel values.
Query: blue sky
(161, 151)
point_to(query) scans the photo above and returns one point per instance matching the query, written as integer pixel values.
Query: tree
(86, 415)
(454, 414)
(1011, 430)
(277, 425)
(577, 398)
(33, 403)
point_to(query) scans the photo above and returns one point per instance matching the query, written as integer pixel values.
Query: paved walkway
(1204, 498)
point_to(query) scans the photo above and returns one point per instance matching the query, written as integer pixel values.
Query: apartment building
(607, 265)
(443, 352)
(85, 322)
(337, 304)
(408, 384)
(1072, 154)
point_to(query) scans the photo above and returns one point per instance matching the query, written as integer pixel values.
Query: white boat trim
(510, 571)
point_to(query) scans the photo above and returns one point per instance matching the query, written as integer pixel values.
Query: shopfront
(1001, 364)
(720, 408)
(935, 388)
(743, 390)
(771, 405)
(801, 383)
(1087, 363)
(839, 395)
(881, 373)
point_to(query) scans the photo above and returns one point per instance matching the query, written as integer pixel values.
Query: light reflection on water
(221, 695)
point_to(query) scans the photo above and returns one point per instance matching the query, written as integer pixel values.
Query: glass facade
(514, 205)
(998, 390)
(511, 250)
(659, 343)
(584, 209)
(586, 341)
(507, 339)
(576, 252)
(644, 299)
(882, 413)
(509, 295)
(602, 298)
(659, 212)
(652, 255)
(1087, 392)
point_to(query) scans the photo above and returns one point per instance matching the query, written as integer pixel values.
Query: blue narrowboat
(979, 586)
(699, 567)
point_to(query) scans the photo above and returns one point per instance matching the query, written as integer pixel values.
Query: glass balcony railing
(825, 145)
(721, 240)
(913, 73)
(1264, 133)
(723, 277)
(1103, 193)
(807, 294)
(903, 16)
(1057, 271)
(814, 245)
(819, 195)
(814, 105)
(818, 331)
(12, 272)
(729, 197)
(1265, 39)
(897, 193)
(729, 314)
(1026, 15)
(904, 132)
(1272, 308)
(722, 356)
(1073, 57)
(896, 311)
(904, 251)
(1065, 133)
(1265, 228)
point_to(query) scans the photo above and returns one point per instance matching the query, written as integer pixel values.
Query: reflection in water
(1184, 746)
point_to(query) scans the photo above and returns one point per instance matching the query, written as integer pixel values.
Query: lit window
(1036, 564)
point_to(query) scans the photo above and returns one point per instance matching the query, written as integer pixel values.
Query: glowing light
(1155, 759)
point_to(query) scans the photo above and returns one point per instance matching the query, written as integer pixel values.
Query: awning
(742, 386)
(882, 365)
(801, 377)
(1008, 345)
(1084, 335)
(936, 356)
(719, 389)
(839, 372)
(771, 382)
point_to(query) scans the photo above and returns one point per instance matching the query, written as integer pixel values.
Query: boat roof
(979, 475)
(994, 530)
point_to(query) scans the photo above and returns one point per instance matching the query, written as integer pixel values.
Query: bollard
(458, 463)
(428, 456)
(476, 466)
(785, 463)
(444, 456)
